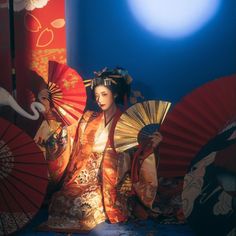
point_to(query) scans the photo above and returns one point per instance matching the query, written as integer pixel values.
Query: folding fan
(193, 121)
(138, 122)
(23, 178)
(67, 92)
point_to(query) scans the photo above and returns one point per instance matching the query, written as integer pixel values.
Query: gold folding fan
(138, 122)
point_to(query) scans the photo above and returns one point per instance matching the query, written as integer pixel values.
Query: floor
(137, 228)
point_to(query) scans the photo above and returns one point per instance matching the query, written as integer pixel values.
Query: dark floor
(137, 228)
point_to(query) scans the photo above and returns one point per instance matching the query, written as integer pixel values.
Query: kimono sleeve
(145, 187)
(55, 141)
(147, 184)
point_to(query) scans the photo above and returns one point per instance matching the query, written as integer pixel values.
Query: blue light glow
(173, 18)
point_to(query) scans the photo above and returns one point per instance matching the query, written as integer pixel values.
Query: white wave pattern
(232, 232)
(193, 182)
(224, 205)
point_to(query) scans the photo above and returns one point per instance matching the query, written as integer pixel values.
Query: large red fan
(197, 118)
(23, 178)
(67, 90)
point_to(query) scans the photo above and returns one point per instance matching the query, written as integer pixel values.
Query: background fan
(209, 188)
(193, 121)
(67, 91)
(138, 122)
(23, 178)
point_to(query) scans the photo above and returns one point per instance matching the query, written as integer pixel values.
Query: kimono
(96, 179)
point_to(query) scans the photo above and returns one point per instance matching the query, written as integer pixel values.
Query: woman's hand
(155, 138)
(56, 143)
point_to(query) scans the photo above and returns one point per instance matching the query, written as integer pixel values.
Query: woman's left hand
(155, 138)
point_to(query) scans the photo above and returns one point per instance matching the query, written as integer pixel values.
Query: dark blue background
(104, 33)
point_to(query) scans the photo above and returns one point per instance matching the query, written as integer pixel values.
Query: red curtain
(5, 56)
(39, 28)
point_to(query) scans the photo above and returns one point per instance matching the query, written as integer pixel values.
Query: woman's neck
(110, 113)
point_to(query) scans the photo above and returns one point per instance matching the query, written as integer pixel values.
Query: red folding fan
(23, 178)
(67, 92)
(193, 121)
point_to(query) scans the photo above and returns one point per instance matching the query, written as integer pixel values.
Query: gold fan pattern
(134, 119)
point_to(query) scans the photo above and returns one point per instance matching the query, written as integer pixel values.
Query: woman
(96, 181)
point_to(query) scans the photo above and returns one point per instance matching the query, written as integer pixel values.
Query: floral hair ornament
(123, 73)
(109, 79)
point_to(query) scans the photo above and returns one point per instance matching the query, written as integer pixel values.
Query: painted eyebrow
(101, 93)
(97, 94)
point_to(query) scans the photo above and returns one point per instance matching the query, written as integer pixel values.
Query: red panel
(5, 57)
(39, 37)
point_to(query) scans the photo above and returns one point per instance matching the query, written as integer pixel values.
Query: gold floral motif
(39, 60)
(92, 172)
(31, 22)
(68, 84)
(83, 177)
(45, 38)
(81, 212)
(58, 23)
(126, 186)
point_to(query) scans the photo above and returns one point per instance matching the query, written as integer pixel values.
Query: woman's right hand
(56, 143)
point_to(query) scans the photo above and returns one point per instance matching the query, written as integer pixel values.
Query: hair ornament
(108, 77)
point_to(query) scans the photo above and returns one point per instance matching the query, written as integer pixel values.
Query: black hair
(116, 80)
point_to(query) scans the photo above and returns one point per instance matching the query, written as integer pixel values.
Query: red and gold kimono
(95, 176)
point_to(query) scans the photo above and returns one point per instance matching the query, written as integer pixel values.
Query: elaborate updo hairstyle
(117, 80)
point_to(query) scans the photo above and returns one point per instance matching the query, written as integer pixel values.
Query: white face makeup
(104, 97)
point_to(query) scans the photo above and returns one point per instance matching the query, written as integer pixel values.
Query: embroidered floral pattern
(80, 206)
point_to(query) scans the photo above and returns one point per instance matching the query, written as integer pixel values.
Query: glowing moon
(173, 18)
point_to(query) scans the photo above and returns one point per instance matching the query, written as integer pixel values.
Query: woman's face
(104, 97)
